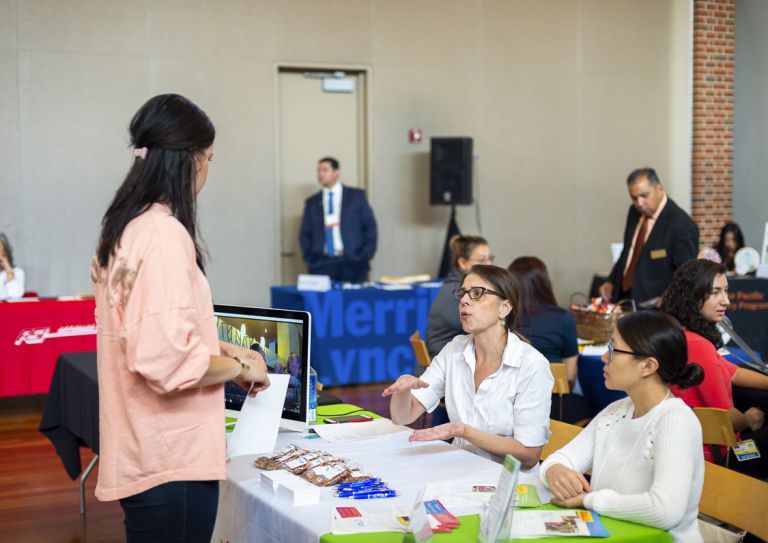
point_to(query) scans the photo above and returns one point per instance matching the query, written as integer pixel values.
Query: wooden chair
(420, 350)
(735, 498)
(716, 427)
(562, 433)
(561, 386)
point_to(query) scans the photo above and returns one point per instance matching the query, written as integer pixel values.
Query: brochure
(560, 522)
(496, 520)
(457, 495)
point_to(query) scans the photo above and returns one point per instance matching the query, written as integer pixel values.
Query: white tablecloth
(249, 512)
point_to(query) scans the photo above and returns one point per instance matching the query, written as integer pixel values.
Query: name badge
(746, 450)
(658, 253)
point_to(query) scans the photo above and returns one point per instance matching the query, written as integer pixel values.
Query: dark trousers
(340, 268)
(175, 512)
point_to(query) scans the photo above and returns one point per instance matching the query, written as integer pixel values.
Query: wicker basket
(594, 326)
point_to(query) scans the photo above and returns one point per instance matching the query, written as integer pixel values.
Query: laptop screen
(282, 337)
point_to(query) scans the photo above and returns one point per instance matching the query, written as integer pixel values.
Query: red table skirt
(32, 336)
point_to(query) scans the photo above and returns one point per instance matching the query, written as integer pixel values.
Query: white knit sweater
(648, 470)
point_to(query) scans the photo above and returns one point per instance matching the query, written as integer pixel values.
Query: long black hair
(535, 286)
(738, 237)
(690, 287)
(174, 132)
(656, 334)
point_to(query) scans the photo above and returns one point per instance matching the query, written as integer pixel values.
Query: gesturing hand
(404, 383)
(254, 376)
(566, 483)
(444, 431)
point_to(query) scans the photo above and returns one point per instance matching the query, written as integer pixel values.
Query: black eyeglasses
(612, 349)
(475, 293)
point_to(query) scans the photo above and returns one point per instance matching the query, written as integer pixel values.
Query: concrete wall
(563, 98)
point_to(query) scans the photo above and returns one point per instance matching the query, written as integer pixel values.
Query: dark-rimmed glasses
(612, 349)
(475, 293)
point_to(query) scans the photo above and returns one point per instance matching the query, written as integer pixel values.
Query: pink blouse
(156, 333)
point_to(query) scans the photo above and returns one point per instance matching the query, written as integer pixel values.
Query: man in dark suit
(338, 230)
(658, 238)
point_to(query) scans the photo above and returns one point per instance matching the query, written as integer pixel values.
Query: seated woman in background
(497, 387)
(697, 297)
(731, 240)
(444, 324)
(645, 450)
(11, 278)
(550, 329)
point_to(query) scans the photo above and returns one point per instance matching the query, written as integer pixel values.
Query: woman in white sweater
(645, 450)
(11, 277)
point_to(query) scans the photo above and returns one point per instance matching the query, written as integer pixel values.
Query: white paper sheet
(259, 421)
(352, 431)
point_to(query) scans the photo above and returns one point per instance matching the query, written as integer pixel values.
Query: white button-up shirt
(512, 402)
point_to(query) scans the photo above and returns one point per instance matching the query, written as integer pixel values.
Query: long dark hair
(535, 286)
(7, 248)
(690, 287)
(505, 284)
(734, 229)
(656, 334)
(174, 131)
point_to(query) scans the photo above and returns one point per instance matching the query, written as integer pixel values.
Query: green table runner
(621, 531)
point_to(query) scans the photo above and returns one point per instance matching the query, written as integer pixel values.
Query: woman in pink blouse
(161, 366)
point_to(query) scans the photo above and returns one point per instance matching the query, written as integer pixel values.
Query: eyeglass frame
(491, 259)
(459, 293)
(612, 349)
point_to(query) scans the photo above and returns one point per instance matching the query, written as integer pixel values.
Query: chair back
(735, 498)
(420, 349)
(716, 427)
(562, 433)
(561, 378)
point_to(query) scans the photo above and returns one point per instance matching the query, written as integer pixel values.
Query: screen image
(281, 337)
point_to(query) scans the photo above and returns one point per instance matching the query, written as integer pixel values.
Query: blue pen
(356, 491)
(369, 486)
(371, 495)
(362, 482)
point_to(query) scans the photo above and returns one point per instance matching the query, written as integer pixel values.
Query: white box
(298, 492)
(272, 479)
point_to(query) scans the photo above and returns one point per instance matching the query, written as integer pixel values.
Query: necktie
(329, 248)
(626, 282)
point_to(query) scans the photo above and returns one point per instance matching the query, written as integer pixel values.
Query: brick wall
(712, 168)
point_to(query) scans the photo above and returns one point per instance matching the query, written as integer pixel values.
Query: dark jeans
(340, 268)
(180, 511)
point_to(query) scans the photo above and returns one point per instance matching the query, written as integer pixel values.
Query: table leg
(83, 477)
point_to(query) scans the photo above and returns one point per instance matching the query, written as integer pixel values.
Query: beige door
(313, 123)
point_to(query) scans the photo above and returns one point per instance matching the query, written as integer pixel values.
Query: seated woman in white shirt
(645, 450)
(497, 387)
(11, 278)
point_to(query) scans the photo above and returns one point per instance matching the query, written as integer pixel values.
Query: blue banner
(361, 335)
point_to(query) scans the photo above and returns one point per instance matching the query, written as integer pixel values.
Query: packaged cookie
(300, 464)
(326, 474)
(355, 475)
(276, 460)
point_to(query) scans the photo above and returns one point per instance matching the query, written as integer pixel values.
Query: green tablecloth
(621, 531)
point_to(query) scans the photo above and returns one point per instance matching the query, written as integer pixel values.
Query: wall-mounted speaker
(450, 180)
